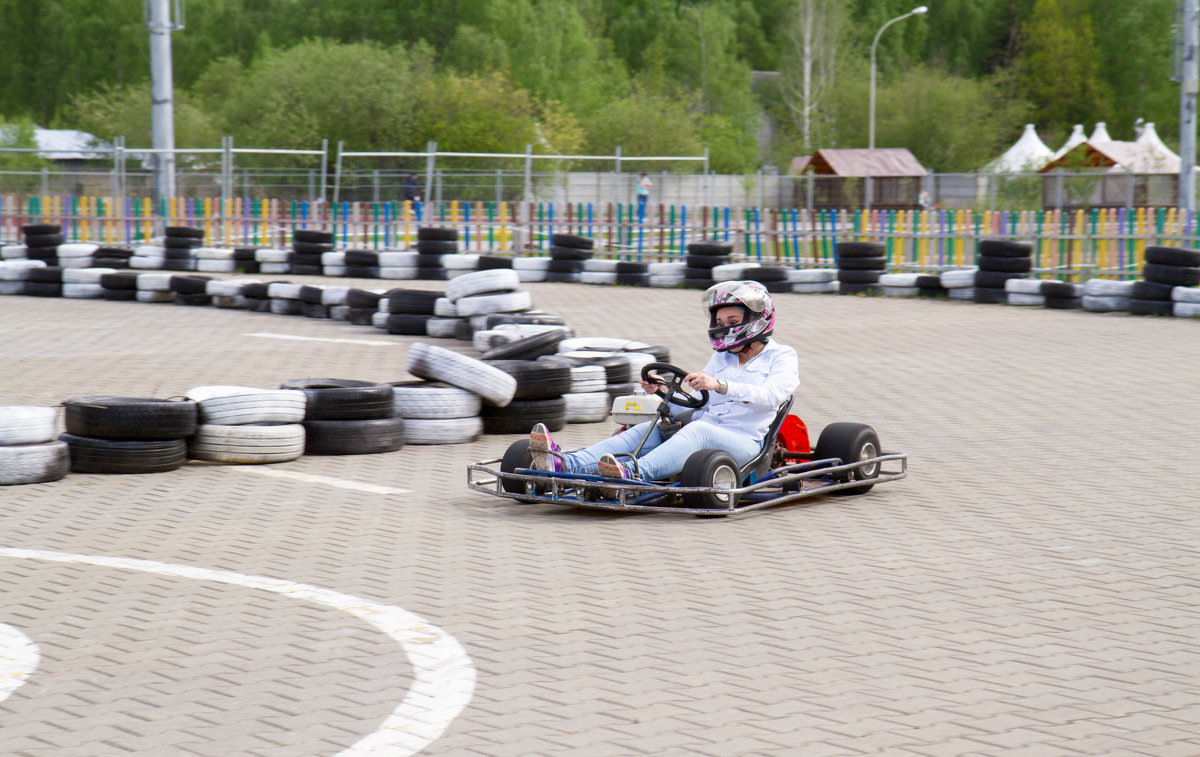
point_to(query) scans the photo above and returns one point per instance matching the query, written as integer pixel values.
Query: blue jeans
(661, 459)
(642, 199)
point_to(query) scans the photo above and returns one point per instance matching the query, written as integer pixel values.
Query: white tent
(1100, 133)
(1149, 138)
(1029, 153)
(1076, 138)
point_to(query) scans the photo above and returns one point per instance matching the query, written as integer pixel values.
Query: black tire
(765, 275)
(562, 278)
(343, 399)
(311, 294)
(852, 287)
(256, 290)
(570, 253)
(431, 274)
(572, 240)
(994, 279)
(536, 380)
(360, 298)
(633, 279)
(305, 258)
(361, 272)
(564, 266)
(436, 247)
(991, 295)
(361, 257)
(130, 417)
(307, 270)
(1148, 290)
(311, 248)
(850, 442)
(516, 456)
(1003, 248)
(859, 250)
(1173, 256)
(50, 274)
(492, 262)
(38, 229)
(777, 287)
(41, 289)
(44, 241)
(710, 248)
(353, 437)
(436, 234)
(857, 277)
(48, 255)
(417, 301)
(1061, 289)
(528, 348)
(110, 262)
(361, 316)
(929, 282)
(120, 295)
(94, 455)
(1177, 275)
(171, 253)
(691, 282)
(1150, 307)
(1005, 265)
(698, 273)
(706, 262)
(190, 284)
(407, 324)
(519, 416)
(184, 231)
(874, 263)
(1063, 303)
(312, 236)
(182, 243)
(629, 266)
(931, 292)
(711, 468)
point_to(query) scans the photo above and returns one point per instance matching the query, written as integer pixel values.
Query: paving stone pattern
(1030, 589)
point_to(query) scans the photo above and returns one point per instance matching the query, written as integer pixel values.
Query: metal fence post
(1130, 183)
(375, 185)
(430, 161)
(1058, 189)
(324, 170)
(226, 169)
(337, 173)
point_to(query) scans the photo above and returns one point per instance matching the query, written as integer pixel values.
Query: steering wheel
(672, 390)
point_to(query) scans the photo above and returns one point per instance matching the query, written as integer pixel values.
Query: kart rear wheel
(516, 456)
(711, 468)
(850, 442)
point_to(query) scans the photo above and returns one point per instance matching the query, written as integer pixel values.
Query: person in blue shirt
(747, 378)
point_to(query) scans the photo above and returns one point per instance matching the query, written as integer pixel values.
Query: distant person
(643, 193)
(924, 200)
(412, 188)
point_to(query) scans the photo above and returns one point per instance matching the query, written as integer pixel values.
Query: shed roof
(884, 161)
(1136, 157)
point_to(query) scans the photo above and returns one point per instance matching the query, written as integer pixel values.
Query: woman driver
(748, 377)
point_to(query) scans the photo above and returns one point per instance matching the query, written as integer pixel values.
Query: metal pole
(227, 169)
(430, 162)
(874, 43)
(528, 172)
(162, 110)
(1187, 106)
(337, 173)
(324, 169)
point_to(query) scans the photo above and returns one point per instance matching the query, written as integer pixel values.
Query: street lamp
(914, 12)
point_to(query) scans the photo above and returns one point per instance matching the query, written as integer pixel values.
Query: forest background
(657, 77)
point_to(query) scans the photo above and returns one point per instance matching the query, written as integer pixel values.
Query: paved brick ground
(1030, 589)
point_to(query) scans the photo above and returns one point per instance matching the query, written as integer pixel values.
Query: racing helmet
(754, 299)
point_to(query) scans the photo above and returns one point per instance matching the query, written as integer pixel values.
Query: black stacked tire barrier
(860, 264)
(44, 282)
(567, 255)
(999, 261)
(1165, 268)
(121, 286)
(307, 247)
(701, 258)
(1062, 295)
(538, 399)
(774, 278)
(112, 257)
(244, 260)
(348, 417)
(409, 310)
(432, 243)
(128, 434)
(42, 241)
(178, 246)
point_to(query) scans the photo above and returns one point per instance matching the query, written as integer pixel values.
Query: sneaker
(540, 446)
(609, 467)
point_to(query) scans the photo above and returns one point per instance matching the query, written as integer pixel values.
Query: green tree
(644, 124)
(18, 133)
(124, 111)
(1059, 63)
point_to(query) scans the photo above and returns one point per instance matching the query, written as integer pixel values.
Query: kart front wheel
(516, 456)
(714, 469)
(850, 442)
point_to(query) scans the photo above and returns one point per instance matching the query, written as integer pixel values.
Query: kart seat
(761, 463)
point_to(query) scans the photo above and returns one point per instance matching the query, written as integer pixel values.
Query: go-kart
(847, 460)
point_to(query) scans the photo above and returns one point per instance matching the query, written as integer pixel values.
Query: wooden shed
(841, 177)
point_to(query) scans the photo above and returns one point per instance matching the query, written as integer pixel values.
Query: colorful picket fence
(1107, 240)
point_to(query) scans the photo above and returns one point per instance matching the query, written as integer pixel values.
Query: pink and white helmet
(752, 297)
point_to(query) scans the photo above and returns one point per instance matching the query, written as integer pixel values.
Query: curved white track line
(18, 659)
(443, 676)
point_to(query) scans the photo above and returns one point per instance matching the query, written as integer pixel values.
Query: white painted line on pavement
(443, 680)
(311, 478)
(19, 657)
(370, 342)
